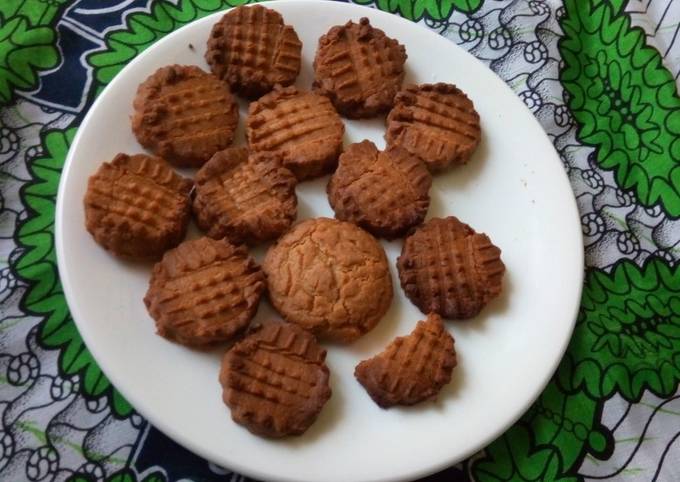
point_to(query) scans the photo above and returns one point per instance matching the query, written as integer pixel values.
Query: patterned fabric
(600, 76)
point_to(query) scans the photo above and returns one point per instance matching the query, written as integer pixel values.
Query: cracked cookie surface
(330, 277)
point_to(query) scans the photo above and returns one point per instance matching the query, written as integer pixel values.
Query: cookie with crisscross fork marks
(137, 207)
(252, 50)
(184, 115)
(247, 198)
(412, 368)
(359, 68)
(384, 192)
(275, 381)
(329, 277)
(302, 127)
(204, 291)
(436, 122)
(447, 268)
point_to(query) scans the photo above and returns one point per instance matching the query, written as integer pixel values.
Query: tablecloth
(602, 79)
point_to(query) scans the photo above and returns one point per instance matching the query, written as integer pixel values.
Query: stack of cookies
(329, 279)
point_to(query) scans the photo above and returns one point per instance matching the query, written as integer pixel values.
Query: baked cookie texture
(137, 207)
(252, 50)
(248, 198)
(203, 292)
(384, 192)
(300, 126)
(275, 380)
(436, 122)
(184, 115)
(412, 368)
(446, 267)
(329, 277)
(359, 68)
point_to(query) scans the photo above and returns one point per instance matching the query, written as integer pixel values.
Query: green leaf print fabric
(602, 79)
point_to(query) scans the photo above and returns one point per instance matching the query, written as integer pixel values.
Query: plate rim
(235, 465)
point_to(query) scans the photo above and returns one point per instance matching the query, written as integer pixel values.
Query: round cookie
(447, 268)
(137, 206)
(275, 381)
(184, 115)
(329, 277)
(247, 198)
(412, 368)
(252, 50)
(302, 127)
(204, 291)
(384, 192)
(359, 68)
(436, 122)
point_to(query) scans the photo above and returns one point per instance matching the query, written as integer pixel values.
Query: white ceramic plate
(514, 189)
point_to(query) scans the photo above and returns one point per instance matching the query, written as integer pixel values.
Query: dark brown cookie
(252, 49)
(359, 68)
(412, 368)
(247, 198)
(302, 127)
(204, 291)
(137, 207)
(436, 122)
(275, 381)
(184, 115)
(329, 277)
(447, 268)
(384, 192)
